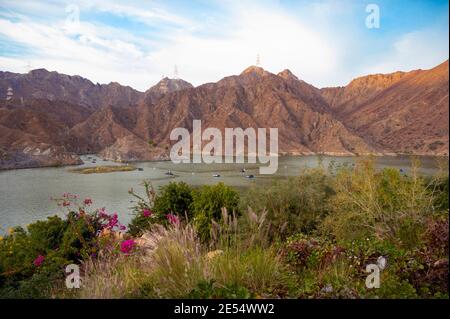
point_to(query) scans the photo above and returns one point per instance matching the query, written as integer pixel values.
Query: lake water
(25, 193)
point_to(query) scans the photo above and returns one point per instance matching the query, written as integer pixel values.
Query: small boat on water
(140, 169)
(216, 175)
(250, 176)
(169, 173)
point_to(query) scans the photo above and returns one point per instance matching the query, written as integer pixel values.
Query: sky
(136, 43)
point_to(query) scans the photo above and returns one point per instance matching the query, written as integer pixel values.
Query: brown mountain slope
(42, 84)
(31, 136)
(409, 116)
(258, 99)
(101, 129)
(70, 114)
(52, 116)
(344, 100)
(64, 112)
(163, 87)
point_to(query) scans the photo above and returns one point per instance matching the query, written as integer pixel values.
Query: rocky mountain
(34, 132)
(52, 118)
(398, 112)
(163, 87)
(258, 99)
(56, 116)
(42, 84)
(344, 100)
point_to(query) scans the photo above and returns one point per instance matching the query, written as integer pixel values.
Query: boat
(250, 176)
(169, 173)
(216, 175)
(140, 169)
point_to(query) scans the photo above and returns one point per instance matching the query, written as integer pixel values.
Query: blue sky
(324, 42)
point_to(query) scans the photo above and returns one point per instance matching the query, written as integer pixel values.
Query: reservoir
(25, 194)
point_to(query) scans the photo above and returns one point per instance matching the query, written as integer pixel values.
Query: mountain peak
(167, 85)
(257, 70)
(287, 75)
(38, 71)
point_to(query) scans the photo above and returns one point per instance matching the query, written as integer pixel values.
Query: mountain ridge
(366, 116)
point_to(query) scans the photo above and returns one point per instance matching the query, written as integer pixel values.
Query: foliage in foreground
(306, 237)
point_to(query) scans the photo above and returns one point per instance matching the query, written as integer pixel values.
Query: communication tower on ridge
(258, 60)
(29, 67)
(175, 72)
(9, 94)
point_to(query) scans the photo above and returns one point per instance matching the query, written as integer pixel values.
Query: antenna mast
(175, 72)
(29, 67)
(258, 60)
(9, 93)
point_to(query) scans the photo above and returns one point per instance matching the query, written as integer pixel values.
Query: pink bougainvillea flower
(173, 219)
(87, 201)
(114, 220)
(122, 227)
(147, 213)
(39, 260)
(102, 213)
(66, 203)
(127, 246)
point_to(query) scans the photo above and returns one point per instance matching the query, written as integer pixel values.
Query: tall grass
(172, 262)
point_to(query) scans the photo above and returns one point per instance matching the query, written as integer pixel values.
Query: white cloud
(281, 40)
(422, 49)
(310, 43)
(147, 13)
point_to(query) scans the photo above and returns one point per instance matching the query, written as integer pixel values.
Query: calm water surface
(25, 193)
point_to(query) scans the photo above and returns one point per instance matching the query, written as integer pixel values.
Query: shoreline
(286, 154)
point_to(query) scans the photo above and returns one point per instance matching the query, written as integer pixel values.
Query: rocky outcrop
(132, 148)
(37, 155)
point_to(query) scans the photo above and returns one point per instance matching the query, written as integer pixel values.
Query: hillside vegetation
(311, 236)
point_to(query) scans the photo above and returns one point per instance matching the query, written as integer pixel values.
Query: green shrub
(207, 205)
(441, 188)
(174, 198)
(47, 235)
(144, 216)
(382, 204)
(257, 269)
(294, 205)
(32, 261)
